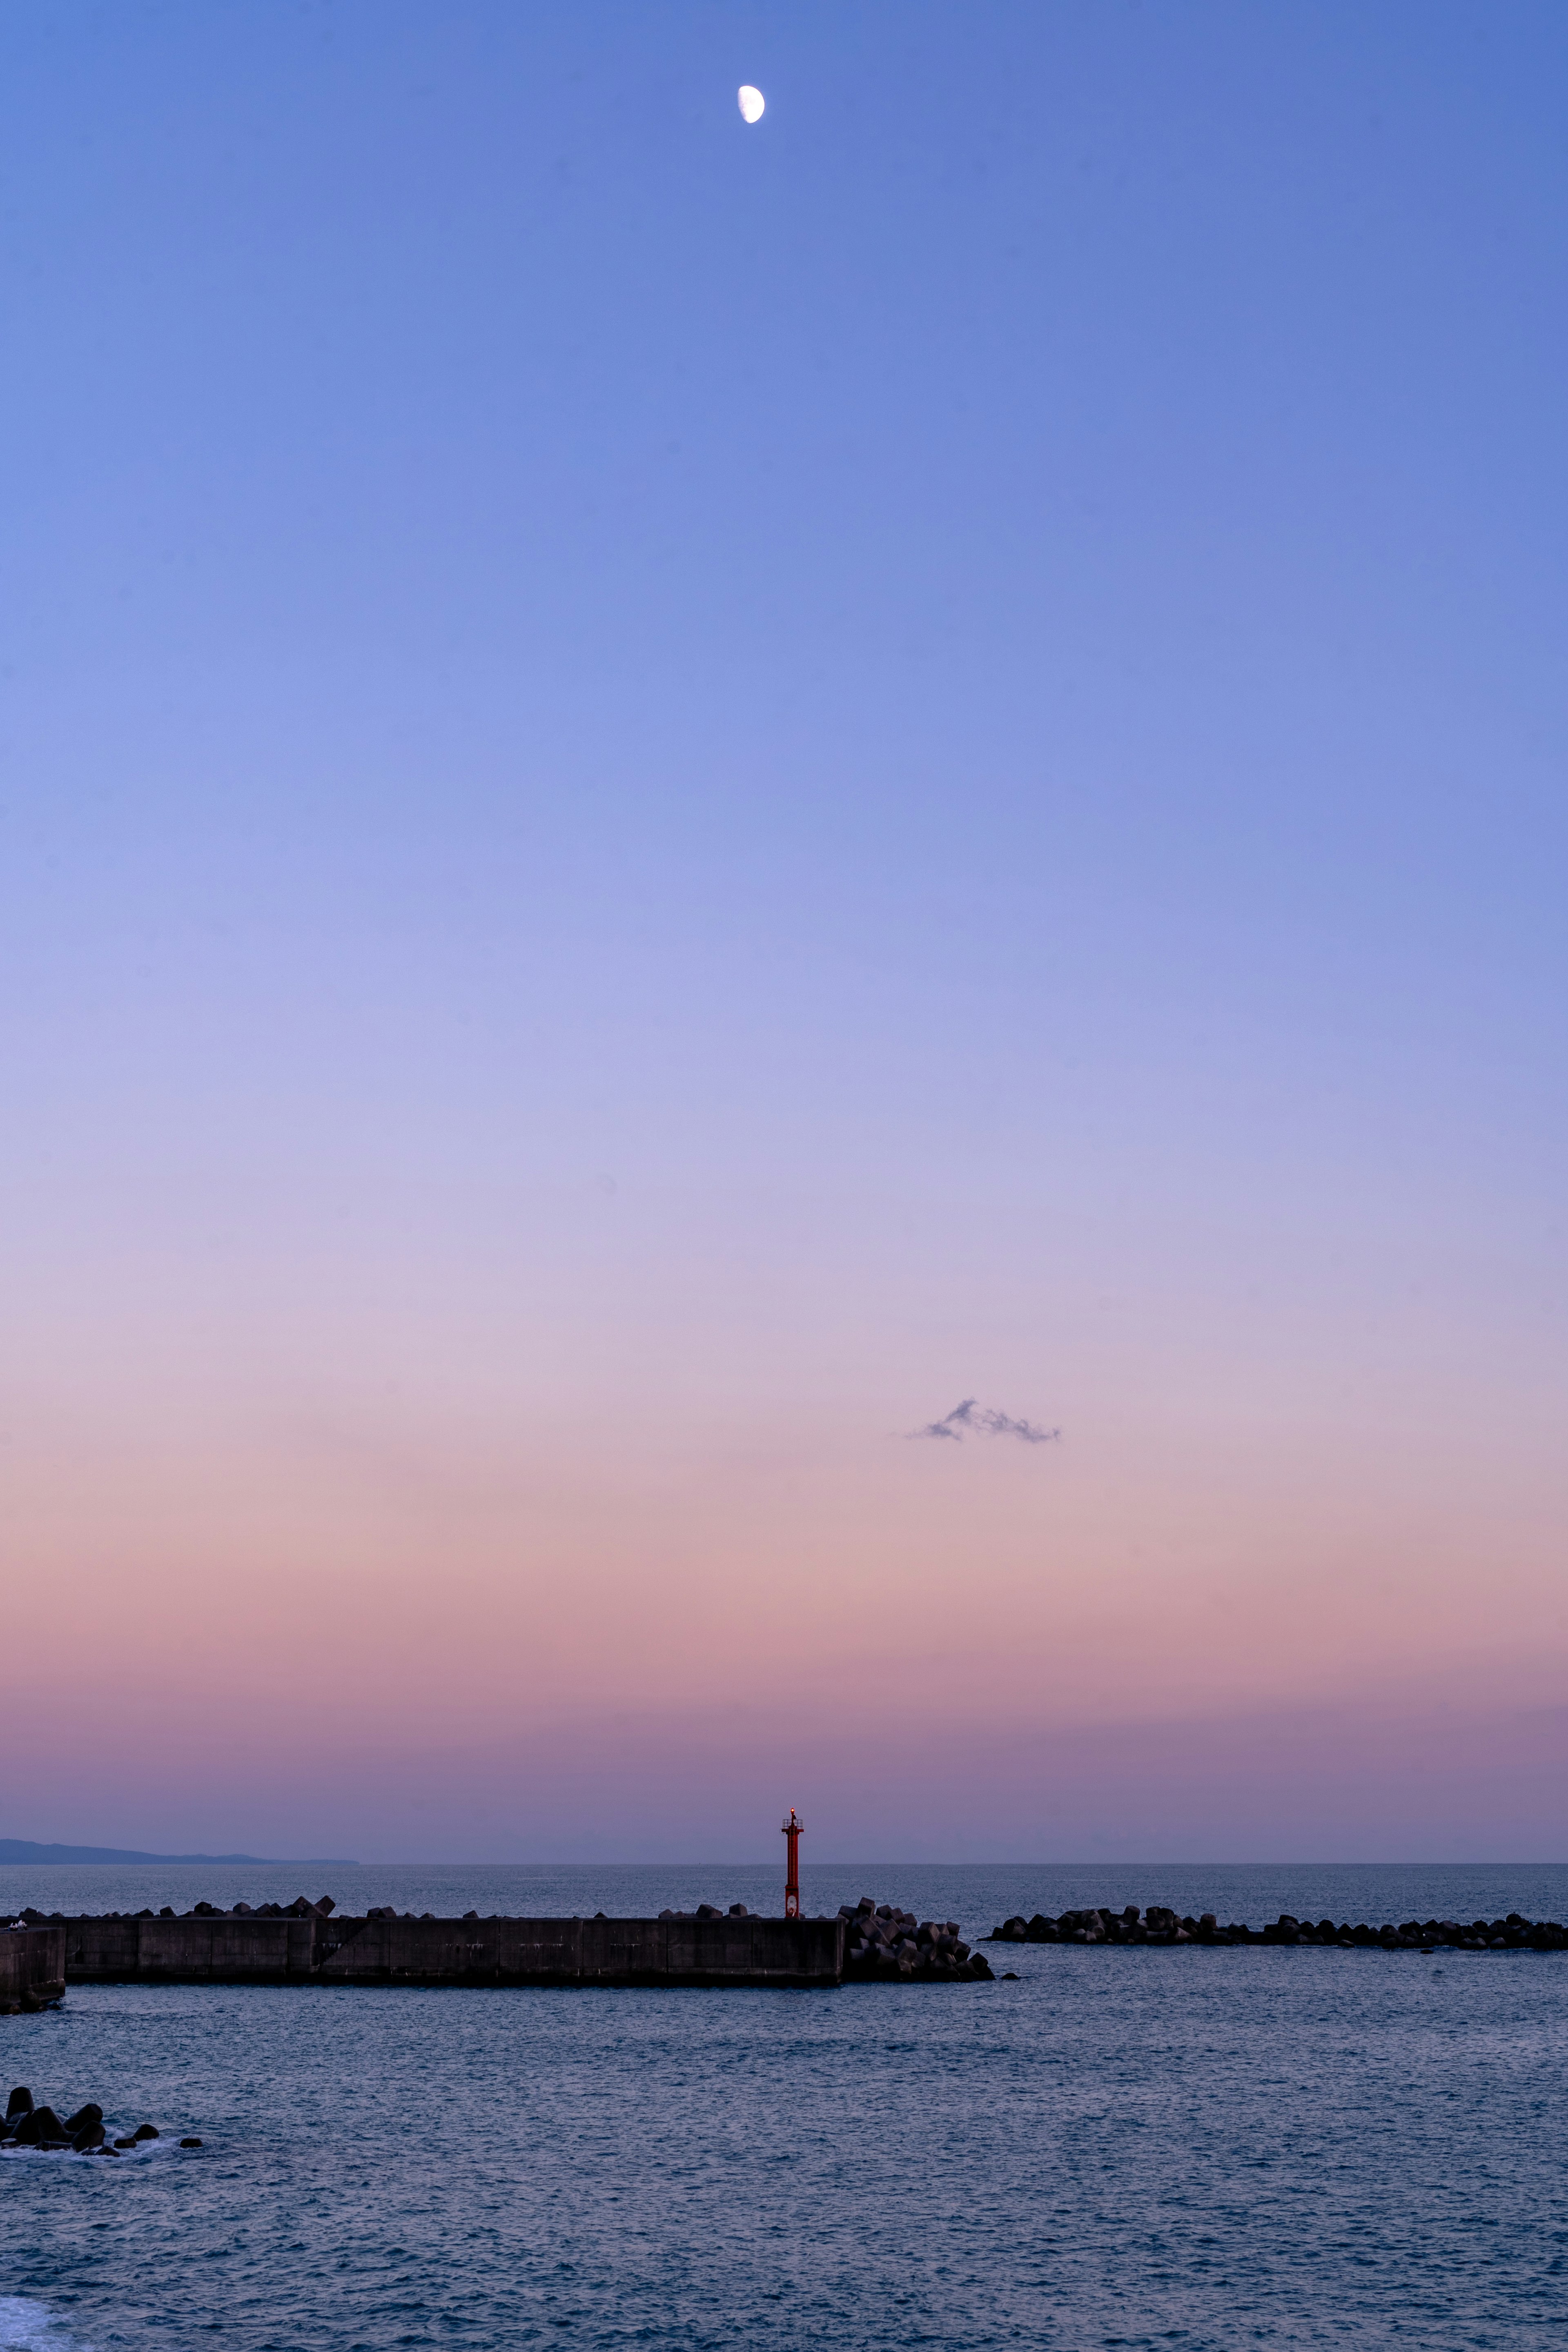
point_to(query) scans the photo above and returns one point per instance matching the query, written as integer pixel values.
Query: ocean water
(1124, 2148)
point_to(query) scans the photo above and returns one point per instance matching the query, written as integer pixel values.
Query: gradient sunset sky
(676, 794)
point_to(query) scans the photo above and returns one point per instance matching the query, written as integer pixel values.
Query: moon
(751, 102)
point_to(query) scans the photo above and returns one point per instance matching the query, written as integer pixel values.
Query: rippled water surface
(1132, 2147)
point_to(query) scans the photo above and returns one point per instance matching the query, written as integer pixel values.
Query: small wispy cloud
(974, 1415)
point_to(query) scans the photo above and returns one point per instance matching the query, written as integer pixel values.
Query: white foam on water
(142, 2152)
(30, 2327)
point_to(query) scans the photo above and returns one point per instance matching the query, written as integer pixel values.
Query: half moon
(751, 102)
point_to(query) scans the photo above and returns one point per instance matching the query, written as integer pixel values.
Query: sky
(676, 796)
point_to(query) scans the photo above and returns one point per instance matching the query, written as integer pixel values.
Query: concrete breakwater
(313, 1943)
(32, 1966)
(27, 2125)
(885, 1944)
(310, 1943)
(1159, 1926)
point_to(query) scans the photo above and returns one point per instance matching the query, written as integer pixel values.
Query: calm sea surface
(1144, 2147)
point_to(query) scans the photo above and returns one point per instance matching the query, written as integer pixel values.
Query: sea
(1128, 2148)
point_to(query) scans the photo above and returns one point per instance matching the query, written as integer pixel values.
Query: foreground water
(1145, 2147)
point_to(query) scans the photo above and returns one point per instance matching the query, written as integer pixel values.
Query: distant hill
(24, 1850)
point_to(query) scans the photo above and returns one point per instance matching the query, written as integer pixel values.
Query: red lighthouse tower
(792, 1829)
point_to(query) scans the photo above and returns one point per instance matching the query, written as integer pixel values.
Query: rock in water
(89, 2135)
(20, 2102)
(41, 2128)
(190, 2143)
(882, 1941)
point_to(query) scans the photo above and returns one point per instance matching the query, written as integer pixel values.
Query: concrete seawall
(226, 1949)
(32, 1967)
(219, 1950)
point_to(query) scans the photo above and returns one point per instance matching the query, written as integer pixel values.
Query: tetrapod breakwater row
(1159, 1926)
(306, 1943)
(82, 2133)
(883, 1943)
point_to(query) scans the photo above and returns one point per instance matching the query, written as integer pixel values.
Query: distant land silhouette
(24, 1850)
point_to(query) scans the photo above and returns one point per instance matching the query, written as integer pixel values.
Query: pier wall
(224, 1949)
(32, 1967)
(219, 1950)
(583, 1951)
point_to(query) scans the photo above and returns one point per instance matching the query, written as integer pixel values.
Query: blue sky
(778, 774)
